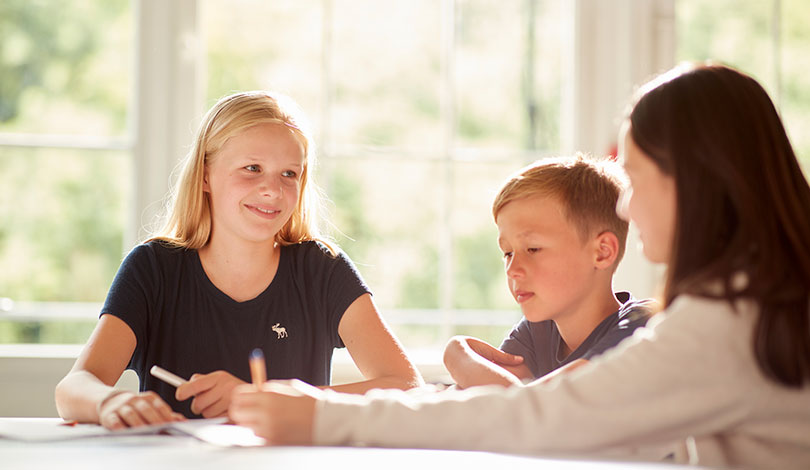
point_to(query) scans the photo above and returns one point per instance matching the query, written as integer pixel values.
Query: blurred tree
(48, 45)
(477, 271)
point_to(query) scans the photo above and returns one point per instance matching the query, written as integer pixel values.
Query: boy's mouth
(522, 296)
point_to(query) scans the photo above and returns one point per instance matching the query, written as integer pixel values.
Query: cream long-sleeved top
(687, 384)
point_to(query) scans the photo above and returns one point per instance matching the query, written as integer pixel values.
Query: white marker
(167, 376)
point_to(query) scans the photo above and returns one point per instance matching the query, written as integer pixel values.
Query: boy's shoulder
(633, 309)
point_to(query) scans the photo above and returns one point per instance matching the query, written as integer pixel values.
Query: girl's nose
(271, 186)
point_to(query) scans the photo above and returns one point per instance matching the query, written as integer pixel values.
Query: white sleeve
(677, 377)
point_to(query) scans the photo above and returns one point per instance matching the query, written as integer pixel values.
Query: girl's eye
(253, 168)
(289, 174)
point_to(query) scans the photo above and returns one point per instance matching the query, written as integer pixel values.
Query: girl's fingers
(147, 411)
(130, 417)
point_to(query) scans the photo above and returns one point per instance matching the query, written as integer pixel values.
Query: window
(65, 162)
(420, 110)
(767, 39)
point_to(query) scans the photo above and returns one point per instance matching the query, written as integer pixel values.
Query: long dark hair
(743, 216)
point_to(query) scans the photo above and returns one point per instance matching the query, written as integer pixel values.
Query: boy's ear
(607, 249)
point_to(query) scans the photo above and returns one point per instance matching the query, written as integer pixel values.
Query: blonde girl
(239, 265)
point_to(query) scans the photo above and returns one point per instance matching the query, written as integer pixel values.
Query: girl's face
(254, 182)
(649, 201)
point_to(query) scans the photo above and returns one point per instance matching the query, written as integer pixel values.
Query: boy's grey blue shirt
(539, 342)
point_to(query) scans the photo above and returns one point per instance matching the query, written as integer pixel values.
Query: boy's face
(549, 268)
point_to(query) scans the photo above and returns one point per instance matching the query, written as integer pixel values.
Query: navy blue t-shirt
(185, 324)
(539, 342)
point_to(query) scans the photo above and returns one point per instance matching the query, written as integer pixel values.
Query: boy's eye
(289, 174)
(253, 168)
(507, 254)
(533, 250)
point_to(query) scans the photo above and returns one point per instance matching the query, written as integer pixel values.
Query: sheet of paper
(213, 431)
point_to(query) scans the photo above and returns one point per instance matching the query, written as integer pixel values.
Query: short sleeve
(343, 286)
(521, 343)
(130, 293)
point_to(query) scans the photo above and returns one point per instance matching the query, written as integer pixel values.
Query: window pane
(795, 60)
(742, 33)
(61, 222)
(735, 32)
(386, 66)
(255, 44)
(479, 279)
(65, 66)
(389, 224)
(508, 74)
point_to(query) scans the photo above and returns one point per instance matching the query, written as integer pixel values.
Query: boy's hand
(493, 354)
(211, 392)
(282, 412)
(129, 409)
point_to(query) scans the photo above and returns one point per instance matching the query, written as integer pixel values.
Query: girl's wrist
(112, 394)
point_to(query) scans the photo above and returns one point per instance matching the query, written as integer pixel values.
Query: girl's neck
(240, 270)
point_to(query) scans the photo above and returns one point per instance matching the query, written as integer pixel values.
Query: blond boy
(561, 241)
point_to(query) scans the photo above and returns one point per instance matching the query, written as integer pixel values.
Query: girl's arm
(472, 362)
(375, 350)
(86, 394)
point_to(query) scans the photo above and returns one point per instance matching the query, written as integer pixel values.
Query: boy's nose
(513, 268)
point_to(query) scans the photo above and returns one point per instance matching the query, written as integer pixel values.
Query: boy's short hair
(588, 189)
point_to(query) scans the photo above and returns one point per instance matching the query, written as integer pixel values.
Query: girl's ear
(607, 250)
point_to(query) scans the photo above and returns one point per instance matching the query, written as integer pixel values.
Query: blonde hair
(588, 190)
(188, 224)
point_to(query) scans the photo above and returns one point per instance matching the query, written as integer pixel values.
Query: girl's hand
(128, 409)
(211, 392)
(282, 412)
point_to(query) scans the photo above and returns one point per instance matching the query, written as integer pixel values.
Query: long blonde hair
(188, 224)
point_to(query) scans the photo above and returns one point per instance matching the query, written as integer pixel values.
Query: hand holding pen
(280, 411)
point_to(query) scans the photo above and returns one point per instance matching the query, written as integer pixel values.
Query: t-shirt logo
(280, 330)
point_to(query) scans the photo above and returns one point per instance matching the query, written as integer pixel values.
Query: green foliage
(477, 271)
(348, 216)
(61, 332)
(48, 50)
(68, 224)
(740, 33)
(419, 287)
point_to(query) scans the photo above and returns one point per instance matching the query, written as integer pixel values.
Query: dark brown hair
(587, 188)
(743, 205)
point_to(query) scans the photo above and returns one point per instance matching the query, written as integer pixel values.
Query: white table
(151, 452)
